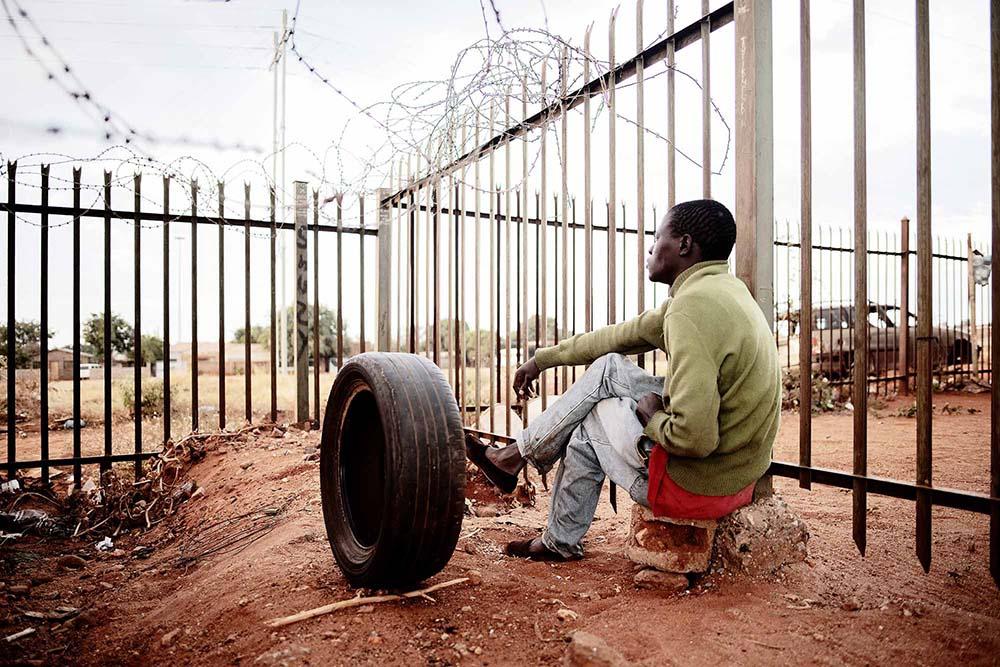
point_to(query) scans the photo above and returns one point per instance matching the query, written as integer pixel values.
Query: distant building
(208, 357)
(60, 363)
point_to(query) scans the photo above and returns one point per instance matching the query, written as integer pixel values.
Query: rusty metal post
(859, 394)
(588, 212)
(706, 103)
(995, 290)
(973, 315)
(903, 334)
(222, 305)
(805, 248)
(755, 161)
(301, 303)
(612, 227)
(925, 276)
(640, 166)
(385, 276)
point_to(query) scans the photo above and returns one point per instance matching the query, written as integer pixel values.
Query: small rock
(246, 465)
(487, 511)
(466, 609)
(72, 562)
(475, 577)
(277, 433)
(851, 605)
(566, 615)
(818, 636)
(587, 650)
(168, 639)
(650, 578)
(366, 609)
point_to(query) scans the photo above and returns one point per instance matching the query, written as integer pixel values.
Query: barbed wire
(111, 123)
(424, 119)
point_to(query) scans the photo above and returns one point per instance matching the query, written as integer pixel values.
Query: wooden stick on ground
(357, 602)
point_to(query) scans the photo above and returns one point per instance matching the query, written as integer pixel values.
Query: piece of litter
(105, 545)
(18, 635)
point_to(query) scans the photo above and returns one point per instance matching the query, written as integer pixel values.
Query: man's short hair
(710, 225)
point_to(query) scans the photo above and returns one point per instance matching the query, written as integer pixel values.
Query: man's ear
(685, 245)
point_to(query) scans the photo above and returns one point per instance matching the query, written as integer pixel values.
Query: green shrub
(152, 397)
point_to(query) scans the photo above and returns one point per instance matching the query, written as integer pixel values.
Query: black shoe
(475, 450)
(534, 549)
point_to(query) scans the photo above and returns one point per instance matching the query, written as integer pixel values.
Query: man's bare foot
(495, 463)
(534, 549)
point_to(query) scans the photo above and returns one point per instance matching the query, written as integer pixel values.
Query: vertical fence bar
(166, 309)
(524, 239)
(860, 393)
(706, 103)
(361, 243)
(11, 322)
(194, 306)
(247, 360)
(640, 176)
(436, 234)
(564, 138)
(477, 273)
(925, 277)
(904, 304)
(108, 440)
(400, 235)
(410, 281)
(315, 332)
(612, 229)
(222, 306)
(541, 248)
(137, 362)
(973, 314)
(340, 280)
(460, 283)
(588, 212)
(77, 472)
(43, 340)
(508, 385)
(805, 247)
(671, 150)
(273, 342)
(995, 290)
(494, 231)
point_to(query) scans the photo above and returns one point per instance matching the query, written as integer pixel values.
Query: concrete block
(669, 545)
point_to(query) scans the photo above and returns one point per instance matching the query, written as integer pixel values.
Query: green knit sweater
(722, 394)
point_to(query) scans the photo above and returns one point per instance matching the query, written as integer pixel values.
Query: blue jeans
(593, 428)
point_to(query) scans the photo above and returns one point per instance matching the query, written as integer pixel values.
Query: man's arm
(640, 334)
(688, 424)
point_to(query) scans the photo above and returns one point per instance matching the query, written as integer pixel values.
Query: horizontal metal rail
(891, 488)
(84, 460)
(670, 44)
(531, 221)
(150, 216)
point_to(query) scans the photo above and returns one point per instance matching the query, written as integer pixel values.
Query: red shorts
(668, 499)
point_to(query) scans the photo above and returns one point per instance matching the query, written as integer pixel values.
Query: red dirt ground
(839, 608)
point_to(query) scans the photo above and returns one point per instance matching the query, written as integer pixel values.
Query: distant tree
(152, 349)
(258, 334)
(122, 335)
(27, 343)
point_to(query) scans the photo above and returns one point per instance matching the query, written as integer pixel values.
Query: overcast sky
(199, 69)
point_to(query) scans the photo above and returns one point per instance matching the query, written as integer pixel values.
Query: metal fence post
(904, 305)
(755, 161)
(973, 328)
(385, 276)
(301, 305)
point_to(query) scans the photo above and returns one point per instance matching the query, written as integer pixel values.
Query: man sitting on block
(689, 445)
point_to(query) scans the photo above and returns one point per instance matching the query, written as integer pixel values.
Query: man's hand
(648, 405)
(524, 377)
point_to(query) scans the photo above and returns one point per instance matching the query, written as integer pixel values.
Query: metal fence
(541, 273)
(527, 284)
(961, 319)
(81, 220)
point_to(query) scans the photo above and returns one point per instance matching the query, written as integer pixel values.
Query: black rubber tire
(392, 470)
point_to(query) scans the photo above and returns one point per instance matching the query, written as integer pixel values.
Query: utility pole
(280, 43)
